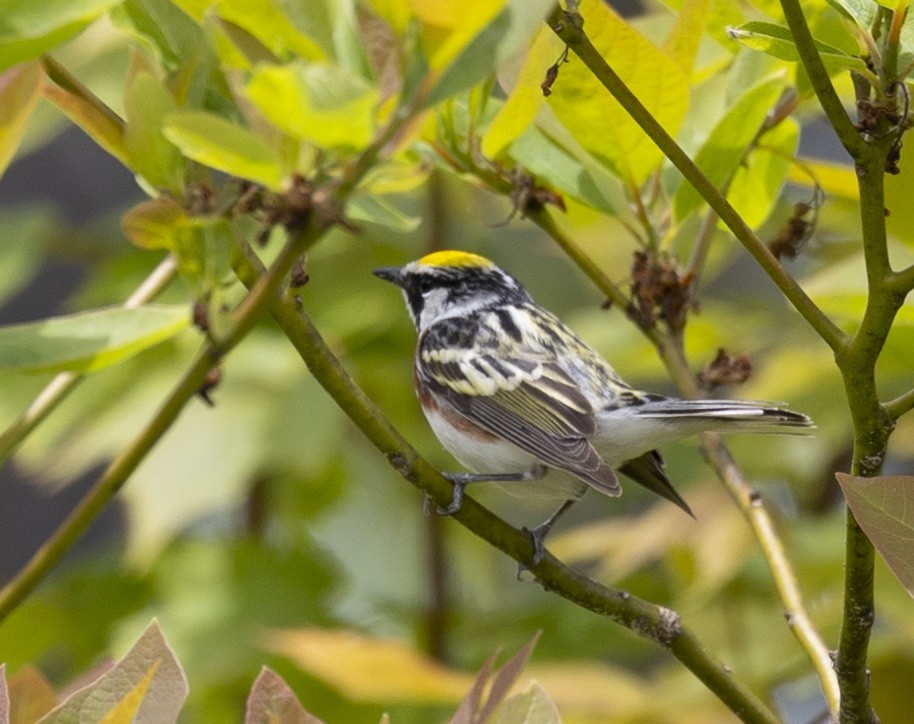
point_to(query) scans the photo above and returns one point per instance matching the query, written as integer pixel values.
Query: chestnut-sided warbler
(519, 399)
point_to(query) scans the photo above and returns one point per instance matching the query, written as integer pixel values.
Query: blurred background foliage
(270, 511)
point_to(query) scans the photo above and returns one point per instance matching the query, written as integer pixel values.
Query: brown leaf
(31, 696)
(271, 701)
(884, 508)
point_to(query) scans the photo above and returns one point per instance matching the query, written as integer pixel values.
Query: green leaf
(375, 210)
(559, 169)
(861, 12)
(271, 701)
(20, 89)
(148, 684)
(884, 508)
(28, 28)
(776, 40)
(151, 155)
(161, 25)
(584, 106)
(727, 143)
(319, 102)
(213, 141)
(499, 39)
(88, 341)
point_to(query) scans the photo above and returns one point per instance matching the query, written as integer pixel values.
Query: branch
(903, 281)
(821, 83)
(568, 26)
(62, 384)
(900, 405)
(647, 620)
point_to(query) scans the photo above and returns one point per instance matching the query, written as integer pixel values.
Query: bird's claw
(456, 499)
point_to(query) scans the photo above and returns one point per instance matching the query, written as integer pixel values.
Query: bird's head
(452, 284)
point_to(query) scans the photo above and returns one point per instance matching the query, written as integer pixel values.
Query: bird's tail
(729, 415)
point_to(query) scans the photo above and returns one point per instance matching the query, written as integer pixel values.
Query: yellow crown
(454, 258)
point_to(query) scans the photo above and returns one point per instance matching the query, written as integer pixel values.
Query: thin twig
(63, 383)
(568, 27)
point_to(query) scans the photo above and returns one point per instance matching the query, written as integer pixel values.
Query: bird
(520, 400)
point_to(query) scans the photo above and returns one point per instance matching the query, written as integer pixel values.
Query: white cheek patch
(433, 305)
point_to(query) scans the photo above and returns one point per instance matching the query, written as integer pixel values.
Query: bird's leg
(539, 533)
(461, 480)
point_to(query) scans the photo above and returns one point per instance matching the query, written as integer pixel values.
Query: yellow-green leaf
(267, 21)
(98, 121)
(777, 41)
(153, 224)
(213, 141)
(151, 155)
(727, 143)
(88, 341)
(596, 119)
(682, 42)
(370, 669)
(526, 97)
(20, 88)
(487, 47)
(321, 103)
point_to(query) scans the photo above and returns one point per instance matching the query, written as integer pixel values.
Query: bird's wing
(532, 403)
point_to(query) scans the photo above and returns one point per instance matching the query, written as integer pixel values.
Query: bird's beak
(392, 274)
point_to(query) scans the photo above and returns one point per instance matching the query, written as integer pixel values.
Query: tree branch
(821, 83)
(569, 27)
(647, 620)
(900, 405)
(63, 383)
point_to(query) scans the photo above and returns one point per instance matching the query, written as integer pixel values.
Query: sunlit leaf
(148, 684)
(20, 88)
(162, 26)
(267, 21)
(271, 701)
(480, 50)
(682, 42)
(370, 669)
(321, 103)
(88, 341)
(776, 40)
(28, 29)
(884, 507)
(728, 142)
(526, 97)
(215, 142)
(582, 103)
(758, 181)
(833, 178)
